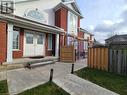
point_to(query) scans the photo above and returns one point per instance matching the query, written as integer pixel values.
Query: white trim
(9, 42)
(18, 40)
(57, 46)
(16, 50)
(26, 23)
(68, 26)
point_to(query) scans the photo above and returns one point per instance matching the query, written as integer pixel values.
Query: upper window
(72, 23)
(29, 38)
(15, 39)
(50, 41)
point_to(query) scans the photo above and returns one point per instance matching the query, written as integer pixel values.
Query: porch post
(57, 46)
(9, 42)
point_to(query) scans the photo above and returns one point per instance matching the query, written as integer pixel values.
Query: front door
(34, 44)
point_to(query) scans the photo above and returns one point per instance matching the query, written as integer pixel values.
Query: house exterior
(40, 28)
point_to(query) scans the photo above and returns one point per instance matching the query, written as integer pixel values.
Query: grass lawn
(46, 89)
(3, 88)
(105, 79)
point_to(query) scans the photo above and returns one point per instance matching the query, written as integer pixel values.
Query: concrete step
(33, 65)
(20, 63)
(77, 86)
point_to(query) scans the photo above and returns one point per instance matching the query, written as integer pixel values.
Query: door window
(29, 38)
(50, 41)
(40, 39)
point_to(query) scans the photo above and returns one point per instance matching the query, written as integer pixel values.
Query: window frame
(14, 49)
(72, 23)
(50, 41)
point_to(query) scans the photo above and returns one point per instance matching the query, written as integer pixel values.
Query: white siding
(45, 6)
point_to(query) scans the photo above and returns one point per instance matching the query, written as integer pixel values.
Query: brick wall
(19, 53)
(3, 41)
(61, 16)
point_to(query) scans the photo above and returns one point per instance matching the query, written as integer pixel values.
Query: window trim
(18, 49)
(74, 17)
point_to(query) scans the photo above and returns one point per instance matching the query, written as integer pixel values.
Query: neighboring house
(97, 44)
(85, 40)
(89, 39)
(117, 41)
(40, 28)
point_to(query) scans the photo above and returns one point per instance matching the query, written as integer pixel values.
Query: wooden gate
(67, 54)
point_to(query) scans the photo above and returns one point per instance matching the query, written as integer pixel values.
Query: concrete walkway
(22, 79)
(77, 86)
(3, 75)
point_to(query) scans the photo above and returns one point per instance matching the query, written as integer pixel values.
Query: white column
(57, 46)
(9, 42)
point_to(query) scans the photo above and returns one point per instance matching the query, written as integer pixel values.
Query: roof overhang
(74, 4)
(62, 5)
(30, 24)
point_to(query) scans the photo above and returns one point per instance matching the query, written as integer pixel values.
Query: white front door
(40, 44)
(34, 44)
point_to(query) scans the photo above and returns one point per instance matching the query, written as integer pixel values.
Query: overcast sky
(104, 17)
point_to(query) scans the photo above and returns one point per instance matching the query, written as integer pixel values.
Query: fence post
(51, 75)
(72, 69)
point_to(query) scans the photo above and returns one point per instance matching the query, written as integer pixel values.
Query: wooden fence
(98, 58)
(67, 54)
(111, 60)
(118, 61)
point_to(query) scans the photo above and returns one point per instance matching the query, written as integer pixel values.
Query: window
(50, 41)
(15, 40)
(86, 45)
(72, 22)
(29, 38)
(40, 39)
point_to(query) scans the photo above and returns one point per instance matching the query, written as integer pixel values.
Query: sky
(104, 18)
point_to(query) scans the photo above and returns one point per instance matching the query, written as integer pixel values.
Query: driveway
(20, 80)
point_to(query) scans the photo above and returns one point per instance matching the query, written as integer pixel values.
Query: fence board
(108, 59)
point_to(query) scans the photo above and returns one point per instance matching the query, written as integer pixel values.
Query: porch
(24, 38)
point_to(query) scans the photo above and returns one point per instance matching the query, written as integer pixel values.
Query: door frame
(34, 33)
